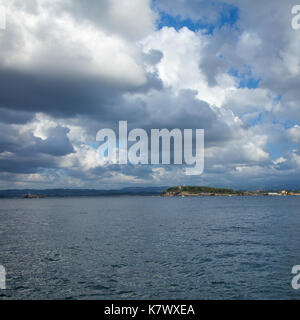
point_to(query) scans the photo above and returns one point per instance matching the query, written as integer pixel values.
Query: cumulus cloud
(59, 63)
(70, 68)
(294, 133)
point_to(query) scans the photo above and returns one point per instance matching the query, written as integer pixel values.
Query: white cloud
(107, 40)
(179, 67)
(294, 133)
(53, 43)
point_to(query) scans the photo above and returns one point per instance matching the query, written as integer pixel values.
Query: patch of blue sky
(97, 144)
(227, 15)
(246, 79)
(257, 120)
(266, 116)
(178, 23)
(286, 124)
(278, 99)
(94, 145)
(250, 83)
(279, 150)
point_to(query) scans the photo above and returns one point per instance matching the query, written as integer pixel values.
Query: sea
(149, 247)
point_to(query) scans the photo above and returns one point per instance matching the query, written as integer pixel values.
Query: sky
(69, 68)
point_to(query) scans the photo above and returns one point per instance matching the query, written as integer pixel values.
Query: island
(194, 191)
(33, 196)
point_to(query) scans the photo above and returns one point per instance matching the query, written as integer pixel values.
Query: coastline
(195, 191)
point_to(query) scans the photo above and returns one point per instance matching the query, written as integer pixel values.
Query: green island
(190, 191)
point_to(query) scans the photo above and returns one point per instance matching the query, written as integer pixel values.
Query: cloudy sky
(70, 67)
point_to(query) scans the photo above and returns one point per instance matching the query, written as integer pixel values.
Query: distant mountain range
(145, 191)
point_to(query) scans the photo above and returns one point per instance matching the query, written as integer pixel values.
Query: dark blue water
(150, 247)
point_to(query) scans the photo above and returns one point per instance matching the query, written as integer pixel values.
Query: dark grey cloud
(58, 96)
(60, 79)
(57, 143)
(183, 111)
(64, 96)
(22, 152)
(153, 57)
(26, 165)
(15, 117)
(43, 68)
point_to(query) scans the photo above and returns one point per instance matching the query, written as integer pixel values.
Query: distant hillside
(209, 191)
(148, 191)
(197, 190)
